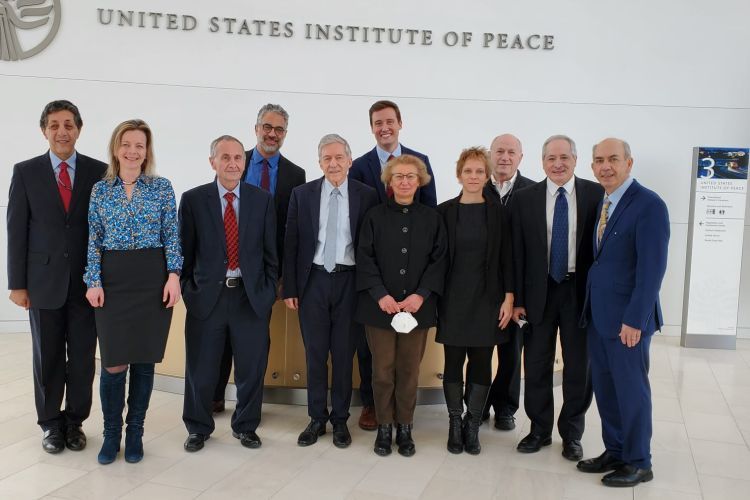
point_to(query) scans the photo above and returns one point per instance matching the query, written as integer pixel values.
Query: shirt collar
(383, 154)
(618, 193)
(569, 186)
(343, 188)
(512, 180)
(57, 161)
(223, 190)
(273, 162)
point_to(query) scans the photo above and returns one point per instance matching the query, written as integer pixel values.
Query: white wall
(666, 76)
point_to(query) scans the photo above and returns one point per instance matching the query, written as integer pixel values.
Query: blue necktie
(558, 252)
(329, 250)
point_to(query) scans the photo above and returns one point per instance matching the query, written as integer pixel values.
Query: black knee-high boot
(477, 396)
(139, 395)
(112, 394)
(454, 401)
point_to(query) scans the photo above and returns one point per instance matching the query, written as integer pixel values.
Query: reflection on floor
(700, 448)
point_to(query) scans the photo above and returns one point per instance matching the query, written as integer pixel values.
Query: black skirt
(133, 325)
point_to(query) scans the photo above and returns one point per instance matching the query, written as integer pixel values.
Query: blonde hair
(148, 168)
(424, 177)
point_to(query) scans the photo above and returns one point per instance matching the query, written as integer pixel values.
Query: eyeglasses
(407, 177)
(267, 127)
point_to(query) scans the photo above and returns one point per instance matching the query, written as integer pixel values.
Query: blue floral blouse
(147, 220)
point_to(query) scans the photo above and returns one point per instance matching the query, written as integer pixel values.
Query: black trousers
(232, 317)
(561, 312)
(64, 344)
(364, 360)
(505, 392)
(326, 313)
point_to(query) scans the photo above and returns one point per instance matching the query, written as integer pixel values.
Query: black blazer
(303, 224)
(205, 250)
(529, 226)
(402, 249)
(46, 246)
(521, 182)
(289, 177)
(367, 169)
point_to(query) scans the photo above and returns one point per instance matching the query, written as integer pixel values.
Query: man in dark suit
(319, 281)
(48, 233)
(228, 231)
(553, 221)
(267, 169)
(506, 154)
(622, 312)
(385, 123)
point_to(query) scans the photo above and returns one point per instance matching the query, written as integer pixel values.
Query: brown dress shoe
(367, 420)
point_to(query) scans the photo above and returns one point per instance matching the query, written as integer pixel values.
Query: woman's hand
(388, 305)
(172, 292)
(412, 303)
(506, 311)
(95, 296)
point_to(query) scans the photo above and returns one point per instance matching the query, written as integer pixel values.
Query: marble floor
(700, 448)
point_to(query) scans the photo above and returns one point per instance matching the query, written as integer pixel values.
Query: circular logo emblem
(27, 27)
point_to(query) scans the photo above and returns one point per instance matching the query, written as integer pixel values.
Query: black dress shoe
(505, 422)
(53, 441)
(248, 439)
(194, 442)
(384, 440)
(310, 435)
(404, 440)
(572, 450)
(218, 406)
(533, 443)
(627, 475)
(341, 436)
(603, 463)
(75, 439)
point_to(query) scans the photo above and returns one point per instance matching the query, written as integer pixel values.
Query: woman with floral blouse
(134, 262)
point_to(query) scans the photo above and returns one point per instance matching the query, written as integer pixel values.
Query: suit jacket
(289, 177)
(46, 246)
(367, 169)
(205, 250)
(529, 226)
(629, 265)
(303, 225)
(521, 182)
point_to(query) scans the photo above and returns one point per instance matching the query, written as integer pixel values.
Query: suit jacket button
(402, 272)
(405, 229)
(404, 250)
(226, 261)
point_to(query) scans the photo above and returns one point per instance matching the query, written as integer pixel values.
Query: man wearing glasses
(267, 169)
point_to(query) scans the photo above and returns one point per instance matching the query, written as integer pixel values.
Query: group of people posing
(101, 251)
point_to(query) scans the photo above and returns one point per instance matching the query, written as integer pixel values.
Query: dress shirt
(344, 246)
(570, 193)
(383, 155)
(71, 166)
(147, 220)
(256, 167)
(614, 199)
(505, 187)
(231, 273)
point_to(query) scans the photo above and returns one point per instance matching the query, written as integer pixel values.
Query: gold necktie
(602, 221)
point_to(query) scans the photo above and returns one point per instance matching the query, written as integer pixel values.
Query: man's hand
(20, 298)
(518, 312)
(629, 335)
(292, 303)
(388, 305)
(412, 303)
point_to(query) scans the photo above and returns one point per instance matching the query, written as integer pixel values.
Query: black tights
(479, 369)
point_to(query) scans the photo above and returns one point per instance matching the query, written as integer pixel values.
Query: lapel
(539, 206)
(81, 179)
(626, 199)
(354, 203)
(246, 192)
(49, 183)
(374, 163)
(581, 204)
(281, 179)
(313, 207)
(214, 211)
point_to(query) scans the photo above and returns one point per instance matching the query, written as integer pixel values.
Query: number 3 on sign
(709, 168)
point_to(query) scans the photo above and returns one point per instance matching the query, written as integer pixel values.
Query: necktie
(388, 188)
(329, 251)
(558, 254)
(231, 233)
(65, 186)
(265, 177)
(602, 221)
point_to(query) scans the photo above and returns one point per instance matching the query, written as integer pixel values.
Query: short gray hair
(272, 108)
(333, 139)
(223, 138)
(560, 137)
(625, 146)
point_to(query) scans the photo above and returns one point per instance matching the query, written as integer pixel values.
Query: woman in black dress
(401, 258)
(478, 299)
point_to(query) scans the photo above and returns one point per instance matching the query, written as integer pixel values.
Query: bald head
(506, 153)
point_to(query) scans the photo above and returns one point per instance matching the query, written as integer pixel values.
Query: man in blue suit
(622, 312)
(385, 123)
(319, 281)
